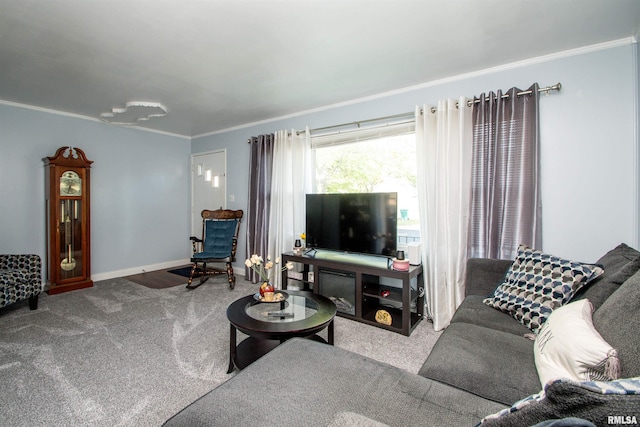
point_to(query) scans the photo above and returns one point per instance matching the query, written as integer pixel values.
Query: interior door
(208, 185)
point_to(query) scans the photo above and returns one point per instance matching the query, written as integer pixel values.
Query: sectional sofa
(484, 367)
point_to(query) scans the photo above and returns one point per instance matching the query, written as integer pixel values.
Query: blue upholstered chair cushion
(218, 239)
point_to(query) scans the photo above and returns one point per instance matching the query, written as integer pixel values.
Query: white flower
(265, 269)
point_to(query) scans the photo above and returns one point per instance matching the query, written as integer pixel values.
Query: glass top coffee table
(267, 324)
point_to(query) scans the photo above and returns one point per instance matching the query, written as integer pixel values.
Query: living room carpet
(121, 354)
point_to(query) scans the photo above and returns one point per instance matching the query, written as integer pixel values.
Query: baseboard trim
(137, 270)
(151, 267)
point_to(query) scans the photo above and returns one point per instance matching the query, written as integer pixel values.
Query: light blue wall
(139, 189)
(140, 180)
(588, 137)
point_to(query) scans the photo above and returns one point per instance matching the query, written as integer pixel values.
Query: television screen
(353, 222)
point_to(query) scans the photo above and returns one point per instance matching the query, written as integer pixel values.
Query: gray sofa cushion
(618, 321)
(474, 311)
(492, 364)
(619, 264)
(483, 275)
(306, 383)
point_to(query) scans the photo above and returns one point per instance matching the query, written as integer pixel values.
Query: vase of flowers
(265, 289)
(265, 270)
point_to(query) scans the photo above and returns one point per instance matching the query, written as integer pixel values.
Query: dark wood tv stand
(371, 279)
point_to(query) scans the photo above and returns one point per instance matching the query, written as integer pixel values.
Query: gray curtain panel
(505, 182)
(260, 174)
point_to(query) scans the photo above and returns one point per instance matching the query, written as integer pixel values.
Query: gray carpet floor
(121, 354)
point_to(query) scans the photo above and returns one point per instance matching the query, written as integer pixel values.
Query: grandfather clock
(67, 183)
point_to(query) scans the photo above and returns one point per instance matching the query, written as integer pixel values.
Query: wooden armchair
(218, 244)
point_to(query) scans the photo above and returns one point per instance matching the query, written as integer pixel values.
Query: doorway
(208, 185)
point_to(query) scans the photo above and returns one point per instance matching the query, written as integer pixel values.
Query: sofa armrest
(484, 274)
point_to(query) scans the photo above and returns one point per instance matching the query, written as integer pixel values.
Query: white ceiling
(219, 64)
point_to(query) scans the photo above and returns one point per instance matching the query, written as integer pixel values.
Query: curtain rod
(359, 122)
(545, 89)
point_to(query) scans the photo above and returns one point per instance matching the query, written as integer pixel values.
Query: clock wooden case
(69, 244)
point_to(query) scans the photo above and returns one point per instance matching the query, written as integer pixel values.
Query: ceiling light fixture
(133, 113)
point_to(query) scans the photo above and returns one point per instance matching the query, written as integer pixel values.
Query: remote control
(279, 314)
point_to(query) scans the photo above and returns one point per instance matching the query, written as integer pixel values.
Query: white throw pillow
(568, 346)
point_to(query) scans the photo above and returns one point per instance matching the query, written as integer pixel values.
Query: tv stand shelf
(365, 280)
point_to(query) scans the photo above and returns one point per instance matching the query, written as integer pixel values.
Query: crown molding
(518, 64)
(88, 118)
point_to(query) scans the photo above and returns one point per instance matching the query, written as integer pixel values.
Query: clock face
(70, 184)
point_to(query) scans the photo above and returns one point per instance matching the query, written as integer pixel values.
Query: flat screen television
(353, 222)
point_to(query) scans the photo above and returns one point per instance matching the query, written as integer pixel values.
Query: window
(377, 164)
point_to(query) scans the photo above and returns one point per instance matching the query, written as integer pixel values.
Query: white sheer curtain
(444, 148)
(290, 182)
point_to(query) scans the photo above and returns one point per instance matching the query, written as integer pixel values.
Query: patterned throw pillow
(537, 283)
